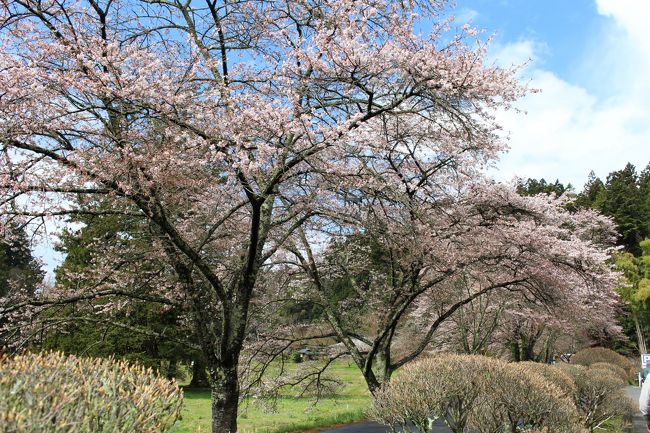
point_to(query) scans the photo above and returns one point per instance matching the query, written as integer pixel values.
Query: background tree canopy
(19, 270)
(624, 197)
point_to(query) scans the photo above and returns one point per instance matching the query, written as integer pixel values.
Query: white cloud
(515, 53)
(631, 16)
(466, 15)
(623, 47)
(569, 130)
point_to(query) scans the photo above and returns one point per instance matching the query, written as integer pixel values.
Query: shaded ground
(638, 423)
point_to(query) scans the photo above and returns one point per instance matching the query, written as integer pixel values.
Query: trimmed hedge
(54, 393)
(552, 374)
(600, 396)
(593, 355)
(475, 392)
(611, 369)
(521, 399)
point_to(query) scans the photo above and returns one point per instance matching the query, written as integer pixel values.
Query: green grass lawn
(292, 414)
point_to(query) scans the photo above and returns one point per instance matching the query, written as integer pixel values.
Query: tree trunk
(172, 369)
(225, 399)
(549, 348)
(516, 352)
(527, 349)
(639, 335)
(372, 382)
(199, 376)
(382, 361)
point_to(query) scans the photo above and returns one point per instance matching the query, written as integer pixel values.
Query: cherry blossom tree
(418, 260)
(528, 328)
(225, 126)
(533, 331)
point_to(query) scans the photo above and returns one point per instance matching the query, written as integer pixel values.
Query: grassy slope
(292, 414)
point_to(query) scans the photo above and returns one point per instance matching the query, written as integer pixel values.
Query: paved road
(638, 423)
(371, 427)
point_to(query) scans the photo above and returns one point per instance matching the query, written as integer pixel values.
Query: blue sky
(565, 28)
(591, 60)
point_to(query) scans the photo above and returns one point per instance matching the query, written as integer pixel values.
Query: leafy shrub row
(599, 395)
(617, 371)
(482, 395)
(598, 355)
(54, 393)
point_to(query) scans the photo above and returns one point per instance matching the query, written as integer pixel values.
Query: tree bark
(225, 399)
(372, 382)
(639, 334)
(528, 349)
(172, 369)
(383, 360)
(515, 350)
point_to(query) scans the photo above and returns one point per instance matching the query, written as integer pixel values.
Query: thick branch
(444, 316)
(84, 297)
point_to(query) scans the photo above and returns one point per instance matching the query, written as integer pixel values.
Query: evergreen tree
(625, 197)
(623, 201)
(534, 186)
(19, 270)
(97, 335)
(593, 193)
(644, 190)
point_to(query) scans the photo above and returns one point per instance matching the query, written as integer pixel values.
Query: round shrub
(599, 397)
(473, 392)
(445, 386)
(520, 399)
(593, 355)
(552, 374)
(54, 393)
(615, 370)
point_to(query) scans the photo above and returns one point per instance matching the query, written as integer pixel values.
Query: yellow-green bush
(600, 396)
(475, 392)
(54, 393)
(593, 355)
